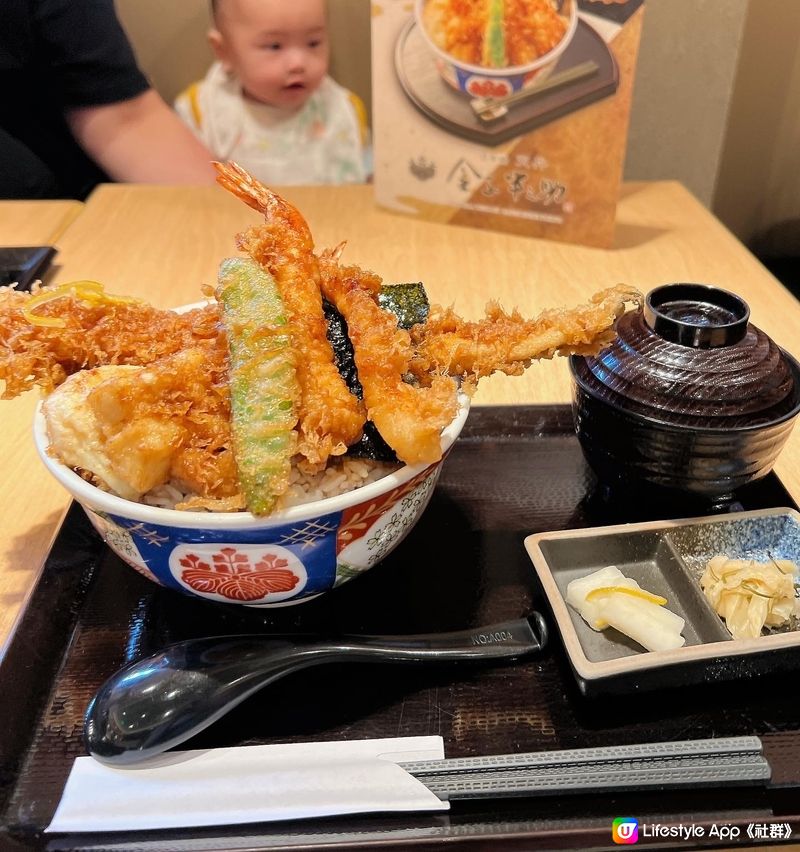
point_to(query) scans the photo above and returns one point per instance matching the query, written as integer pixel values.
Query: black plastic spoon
(161, 701)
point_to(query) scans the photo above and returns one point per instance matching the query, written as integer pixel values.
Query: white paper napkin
(229, 786)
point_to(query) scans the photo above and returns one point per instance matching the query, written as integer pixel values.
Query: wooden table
(164, 244)
(35, 223)
(30, 516)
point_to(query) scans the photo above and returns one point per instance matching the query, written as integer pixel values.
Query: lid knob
(696, 315)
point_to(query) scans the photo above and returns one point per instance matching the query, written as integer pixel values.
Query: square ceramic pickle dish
(668, 559)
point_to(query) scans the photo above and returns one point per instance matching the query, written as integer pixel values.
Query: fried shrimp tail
(330, 418)
(507, 343)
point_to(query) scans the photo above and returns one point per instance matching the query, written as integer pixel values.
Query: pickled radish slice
(607, 598)
(636, 618)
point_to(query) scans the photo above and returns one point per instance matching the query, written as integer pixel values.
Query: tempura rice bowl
(477, 80)
(287, 557)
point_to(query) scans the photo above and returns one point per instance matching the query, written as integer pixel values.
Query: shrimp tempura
(330, 417)
(410, 418)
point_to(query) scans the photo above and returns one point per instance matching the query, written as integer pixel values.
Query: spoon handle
(162, 700)
(507, 640)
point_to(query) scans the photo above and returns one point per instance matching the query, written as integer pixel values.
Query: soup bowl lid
(691, 357)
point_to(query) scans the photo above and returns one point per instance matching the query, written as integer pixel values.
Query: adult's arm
(141, 140)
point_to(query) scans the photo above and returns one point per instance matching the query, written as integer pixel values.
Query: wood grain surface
(29, 517)
(35, 223)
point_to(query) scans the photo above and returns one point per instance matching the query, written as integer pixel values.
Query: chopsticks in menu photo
(491, 109)
(722, 761)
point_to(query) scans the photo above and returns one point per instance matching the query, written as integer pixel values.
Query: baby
(268, 103)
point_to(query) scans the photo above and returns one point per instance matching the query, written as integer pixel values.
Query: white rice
(166, 496)
(339, 476)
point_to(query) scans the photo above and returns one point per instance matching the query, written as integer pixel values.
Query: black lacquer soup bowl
(691, 397)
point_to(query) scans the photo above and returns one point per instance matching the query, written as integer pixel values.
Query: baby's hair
(215, 4)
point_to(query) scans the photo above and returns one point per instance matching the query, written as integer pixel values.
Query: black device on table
(24, 264)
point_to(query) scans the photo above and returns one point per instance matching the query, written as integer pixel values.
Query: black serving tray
(516, 470)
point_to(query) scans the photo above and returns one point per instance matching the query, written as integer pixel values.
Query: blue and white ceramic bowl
(479, 81)
(287, 557)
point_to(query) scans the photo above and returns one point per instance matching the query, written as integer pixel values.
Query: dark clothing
(56, 55)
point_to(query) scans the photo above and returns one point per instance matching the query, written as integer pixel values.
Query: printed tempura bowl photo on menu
(496, 48)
